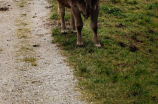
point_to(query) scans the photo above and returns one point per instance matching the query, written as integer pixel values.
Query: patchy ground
(32, 71)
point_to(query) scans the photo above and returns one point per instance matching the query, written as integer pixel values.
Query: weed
(29, 59)
(34, 64)
(55, 16)
(23, 14)
(21, 5)
(67, 17)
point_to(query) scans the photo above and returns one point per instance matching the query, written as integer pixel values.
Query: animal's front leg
(72, 23)
(61, 11)
(78, 24)
(94, 23)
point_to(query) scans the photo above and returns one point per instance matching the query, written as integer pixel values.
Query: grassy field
(125, 69)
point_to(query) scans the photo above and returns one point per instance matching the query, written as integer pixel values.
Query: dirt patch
(122, 44)
(133, 48)
(4, 5)
(120, 25)
(135, 39)
(4, 8)
(151, 31)
(1, 51)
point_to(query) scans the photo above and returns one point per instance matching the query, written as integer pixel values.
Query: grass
(125, 69)
(24, 35)
(31, 60)
(22, 3)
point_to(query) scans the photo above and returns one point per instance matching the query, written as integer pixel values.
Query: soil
(32, 71)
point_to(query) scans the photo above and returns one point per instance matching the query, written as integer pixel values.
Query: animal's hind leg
(78, 24)
(61, 12)
(94, 22)
(72, 23)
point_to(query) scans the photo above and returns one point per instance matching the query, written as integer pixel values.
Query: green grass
(30, 60)
(125, 69)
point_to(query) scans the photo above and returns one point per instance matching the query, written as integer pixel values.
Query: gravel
(51, 81)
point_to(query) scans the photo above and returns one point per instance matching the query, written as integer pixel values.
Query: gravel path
(32, 71)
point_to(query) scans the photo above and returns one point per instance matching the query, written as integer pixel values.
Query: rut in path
(32, 71)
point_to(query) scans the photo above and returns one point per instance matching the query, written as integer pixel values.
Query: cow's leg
(61, 11)
(78, 24)
(72, 23)
(94, 22)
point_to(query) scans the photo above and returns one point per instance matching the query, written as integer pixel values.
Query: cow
(89, 8)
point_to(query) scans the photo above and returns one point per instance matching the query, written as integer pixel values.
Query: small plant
(34, 64)
(30, 60)
(21, 5)
(55, 16)
(67, 17)
(23, 14)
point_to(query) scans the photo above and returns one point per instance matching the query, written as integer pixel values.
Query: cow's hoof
(80, 45)
(63, 32)
(98, 45)
(74, 31)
